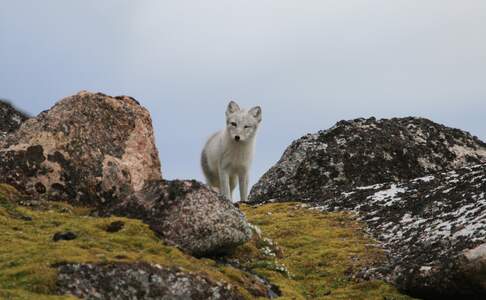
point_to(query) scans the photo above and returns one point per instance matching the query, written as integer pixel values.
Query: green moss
(25, 295)
(319, 250)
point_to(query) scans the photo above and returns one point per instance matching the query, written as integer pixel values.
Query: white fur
(225, 160)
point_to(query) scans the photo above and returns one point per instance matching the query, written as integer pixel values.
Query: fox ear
(232, 108)
(256, 112)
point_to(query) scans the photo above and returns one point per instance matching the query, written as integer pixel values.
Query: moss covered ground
(307, 254)
(321, 252)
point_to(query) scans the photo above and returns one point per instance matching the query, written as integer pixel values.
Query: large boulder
(138, 281)
(89, 148)
(433, 229)
(187, 214)
(10, 118)
(364, 152)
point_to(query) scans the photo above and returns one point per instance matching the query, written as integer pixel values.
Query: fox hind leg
(212, 178)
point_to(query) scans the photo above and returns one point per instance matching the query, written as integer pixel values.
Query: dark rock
(364, 152)
(64, 236)
(88, 149)
(10, 118)
(187, 214)
(274, 291)
(115, 226)
(40, 188)
(139, 281)
(432, 228)
(26, 218)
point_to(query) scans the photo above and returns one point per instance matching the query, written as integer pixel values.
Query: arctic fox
(228, 153)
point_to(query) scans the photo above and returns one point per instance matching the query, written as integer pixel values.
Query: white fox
(228, 153)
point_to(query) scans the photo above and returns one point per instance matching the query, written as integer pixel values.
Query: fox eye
(233, 124)
(247, 126)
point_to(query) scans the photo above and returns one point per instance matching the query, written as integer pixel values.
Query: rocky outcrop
(10, 118)
(187, 214)
(364, 152)
(419, 186)
(138, 281)
(433, 229)
(88, 149)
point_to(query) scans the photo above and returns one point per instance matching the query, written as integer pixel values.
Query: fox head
(242, 124)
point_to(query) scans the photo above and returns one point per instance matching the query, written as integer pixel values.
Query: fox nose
(237, 138)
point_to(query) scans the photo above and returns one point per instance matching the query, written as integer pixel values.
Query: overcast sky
(308, 64)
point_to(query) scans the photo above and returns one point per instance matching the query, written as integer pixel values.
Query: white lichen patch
(426, 164)
(340, 141)
(370, 187)
(426, 178)
(387, 197)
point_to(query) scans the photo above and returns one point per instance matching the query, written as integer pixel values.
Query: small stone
(26, 218)
(115, 226)
(66, 236)
(40, 188)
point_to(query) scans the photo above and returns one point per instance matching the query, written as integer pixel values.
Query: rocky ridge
(363, 152)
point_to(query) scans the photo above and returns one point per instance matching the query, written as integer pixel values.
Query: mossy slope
(318, 250)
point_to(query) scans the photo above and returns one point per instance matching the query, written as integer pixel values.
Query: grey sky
(307, 63)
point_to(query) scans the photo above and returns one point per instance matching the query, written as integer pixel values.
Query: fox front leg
(243, 183)
(224, 188)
